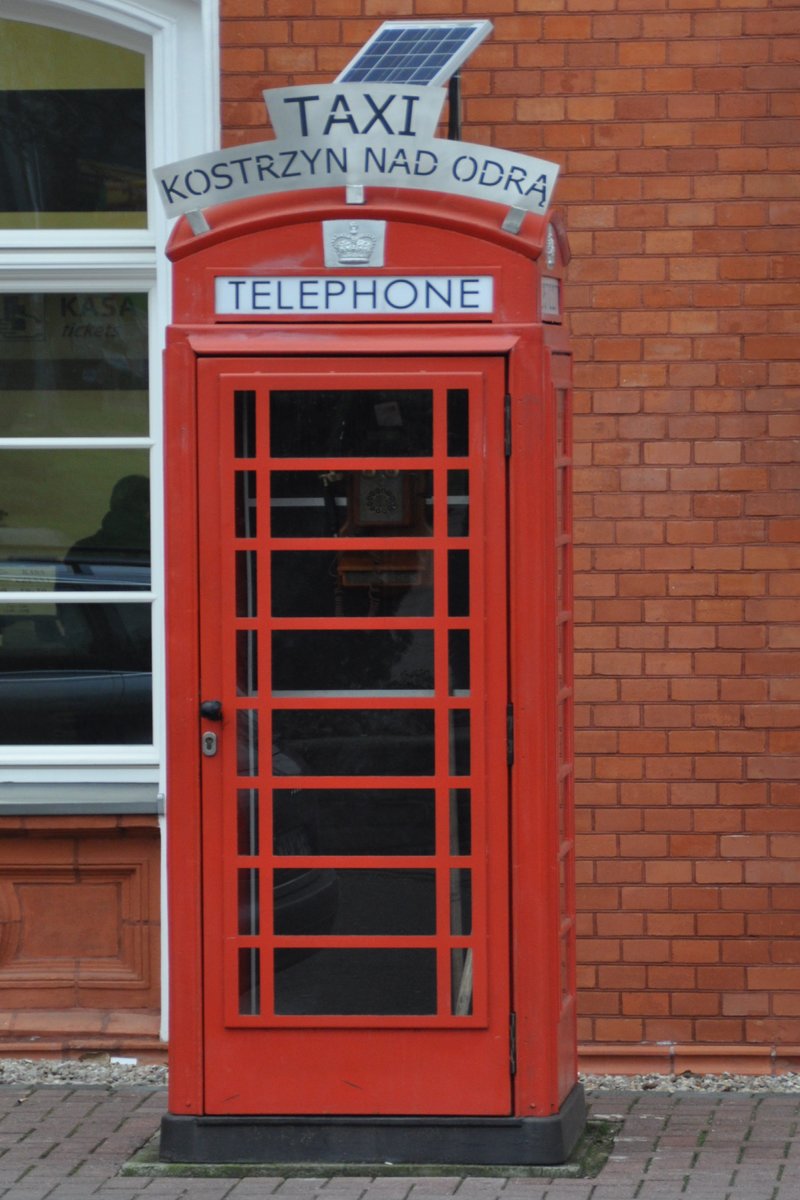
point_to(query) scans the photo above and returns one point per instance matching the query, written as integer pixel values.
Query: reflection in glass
(247, 662)
(247, 742)
(458, 583)
(460, 821)
(75, 673)
(461, 982)
(305, 902)
(247, 825)
(249, 981)
(244, 424)
(358, 583)
(460, 902)
(458, 503)
(459, 742)
(73, 365)
(351, 503)
(246, 584)
(458, 648)
(249, 907)
(82, 514)
(357, 741)
(324, 662)
(246, 510)
(368, 982)
(72, 114)
(354, 821)
(562, 413)
(384, 902)
(561, 576)
(353, 423)
(457, 422)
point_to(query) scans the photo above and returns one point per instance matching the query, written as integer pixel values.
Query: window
(91, 97)
(72, 131)
(75, 668)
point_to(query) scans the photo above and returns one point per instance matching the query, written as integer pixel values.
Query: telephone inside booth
(381, 503)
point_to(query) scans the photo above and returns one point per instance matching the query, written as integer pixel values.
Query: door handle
(211, 710)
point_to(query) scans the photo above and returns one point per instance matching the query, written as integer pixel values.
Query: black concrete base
(532, 1141)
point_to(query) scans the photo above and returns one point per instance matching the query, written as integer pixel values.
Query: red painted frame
(474, 1049)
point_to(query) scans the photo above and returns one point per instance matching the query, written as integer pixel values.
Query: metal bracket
(197, 222)
(513, 220)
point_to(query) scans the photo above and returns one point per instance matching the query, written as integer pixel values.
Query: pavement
(72, 1142)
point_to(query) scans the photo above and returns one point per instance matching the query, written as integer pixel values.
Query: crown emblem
(354, 248)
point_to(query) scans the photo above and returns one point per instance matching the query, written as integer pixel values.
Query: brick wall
(677, 124)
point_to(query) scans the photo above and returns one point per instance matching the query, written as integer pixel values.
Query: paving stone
(65, 1142)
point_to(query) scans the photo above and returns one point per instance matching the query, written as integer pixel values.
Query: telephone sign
(349, 295)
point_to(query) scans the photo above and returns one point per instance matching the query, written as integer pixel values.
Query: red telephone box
(369, 632)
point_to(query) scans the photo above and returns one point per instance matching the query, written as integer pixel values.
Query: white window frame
(179, 41)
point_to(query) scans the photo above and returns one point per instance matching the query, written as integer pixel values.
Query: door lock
(209, 744)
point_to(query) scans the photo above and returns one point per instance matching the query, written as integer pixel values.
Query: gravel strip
(110, 1072)
(103, 1069)
(725, 1082)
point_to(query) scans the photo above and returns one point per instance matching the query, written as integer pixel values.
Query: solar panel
(421, 52)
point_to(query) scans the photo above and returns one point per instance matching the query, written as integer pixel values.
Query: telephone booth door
(354, 768)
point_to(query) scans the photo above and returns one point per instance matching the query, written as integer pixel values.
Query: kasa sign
(379, 135)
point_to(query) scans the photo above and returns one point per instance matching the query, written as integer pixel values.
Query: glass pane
(249, 981)
(249, 907)
(75, 673)
(562, 551)
(357, 742)
(305, 902)
(321, 662)
(460, 821)
(247, 832)
(244, 424)
(461, 982)
(358, 583)
(460, 902)
(246, 584)
(246, 510)
(458, 583)
(247, 742)
(73, 364)
(459, 742)
(377, 903)
(72, 131)
(458, 503)
(77, 518)
(351, 504)
(369, 821)
(351, 423)
(457, 422)
(356, 982)
(247, 662)
(458, 643)
(561, 421)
